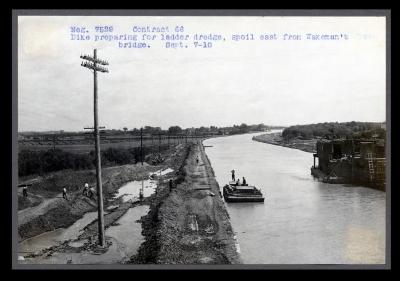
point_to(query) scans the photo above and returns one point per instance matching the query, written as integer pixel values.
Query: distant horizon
(184, 128)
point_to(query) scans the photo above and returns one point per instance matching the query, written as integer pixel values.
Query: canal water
(56, 237)
(302, 221)
(125, 236)
(131, 190)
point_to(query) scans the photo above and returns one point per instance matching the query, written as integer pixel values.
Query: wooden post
(352, 161)
(141, 145)
(95, 64)
(159, 143)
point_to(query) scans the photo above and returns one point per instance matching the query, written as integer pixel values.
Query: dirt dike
(190, 224)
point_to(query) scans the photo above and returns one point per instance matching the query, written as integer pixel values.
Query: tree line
(356, 130)
(177, 130)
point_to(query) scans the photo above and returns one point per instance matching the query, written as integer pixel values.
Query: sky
(275, 82)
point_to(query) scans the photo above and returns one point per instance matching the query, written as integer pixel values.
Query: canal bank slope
(56, 212)
(189, 224)
(80, 245)
(276, 139)
(52, 211)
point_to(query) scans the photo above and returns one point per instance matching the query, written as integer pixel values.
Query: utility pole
(141, 145)
(352, 160)
(93, 64)
(159, 143)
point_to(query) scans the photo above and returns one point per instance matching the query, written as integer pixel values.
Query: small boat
(242, 193)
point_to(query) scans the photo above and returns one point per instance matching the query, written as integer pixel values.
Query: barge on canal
(242, 193)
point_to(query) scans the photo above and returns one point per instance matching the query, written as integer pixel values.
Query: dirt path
(28, 214)
(194, 224)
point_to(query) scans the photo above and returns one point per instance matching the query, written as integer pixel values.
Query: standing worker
(65, 193)
(170, 185)
(86, 189)
(233, 175)
(25, 191)
(197, 159)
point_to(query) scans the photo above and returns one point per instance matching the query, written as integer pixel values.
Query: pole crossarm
(91, 128)
(97, 61)
(94, 66)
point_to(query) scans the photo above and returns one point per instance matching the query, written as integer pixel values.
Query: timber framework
(360, 161)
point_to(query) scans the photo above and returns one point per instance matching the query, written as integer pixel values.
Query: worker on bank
(65, 193)
(25, 191)
(86, 189)
(233, 175)
(90, 192)
(244, 181)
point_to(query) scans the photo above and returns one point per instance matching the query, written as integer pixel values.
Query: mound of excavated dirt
(187, 225)
(54, 183)
(55, 212)
(27, 202)
(58, 216)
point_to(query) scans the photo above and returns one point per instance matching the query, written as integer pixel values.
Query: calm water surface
(302, 221)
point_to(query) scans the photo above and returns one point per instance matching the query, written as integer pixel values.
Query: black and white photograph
(200, 140)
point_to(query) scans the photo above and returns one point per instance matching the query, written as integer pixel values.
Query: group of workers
(87, 191)
(25, 192)
(238, 180)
